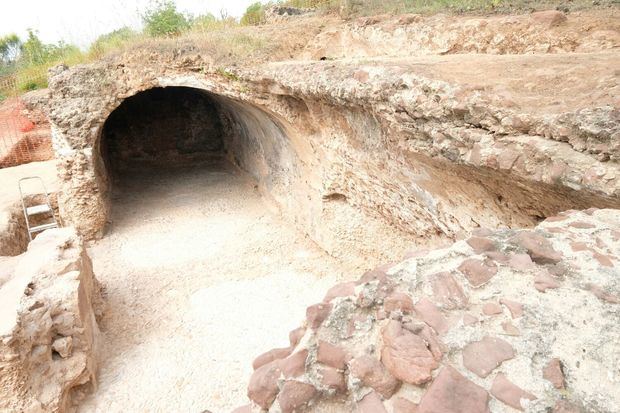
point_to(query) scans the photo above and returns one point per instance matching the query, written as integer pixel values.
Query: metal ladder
(41, 209)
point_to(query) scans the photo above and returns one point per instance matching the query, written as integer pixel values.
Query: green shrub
(254, 15)
(111, 41)
(163, 19)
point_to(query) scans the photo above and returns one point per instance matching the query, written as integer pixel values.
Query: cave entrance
(195, 259)
(161, 128)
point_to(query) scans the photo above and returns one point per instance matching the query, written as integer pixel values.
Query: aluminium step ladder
(40, 209)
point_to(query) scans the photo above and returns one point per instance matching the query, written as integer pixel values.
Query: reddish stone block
(480, 244)
(538, 247)
(543, 282)
(295, 394)
(554, 374)
(482, 357)
(331, 355)
(491, 309)
(515, 308)
(263, 386)
(295, 336)
(402, 405)
(478, 272)
(371, 403)
(451, 392)
(406, 355)
(340, 290)
(431, 315)
(271, 355)
(373, 374)
(447, 291)
(295, 364)
(317, 313)
(398, 301)
(333, 379)
(507, 392)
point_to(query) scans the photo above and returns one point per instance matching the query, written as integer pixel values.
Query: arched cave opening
(162, 127)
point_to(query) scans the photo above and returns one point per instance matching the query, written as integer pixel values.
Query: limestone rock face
(552, 349)
(48, 327)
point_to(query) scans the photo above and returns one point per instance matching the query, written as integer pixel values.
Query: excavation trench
(220, 215)
(200, 270)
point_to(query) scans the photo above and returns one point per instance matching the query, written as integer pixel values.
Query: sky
(82, 21)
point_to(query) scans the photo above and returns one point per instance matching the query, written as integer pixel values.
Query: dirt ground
(200, 276)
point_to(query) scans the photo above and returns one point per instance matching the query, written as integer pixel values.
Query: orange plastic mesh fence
(21, 140)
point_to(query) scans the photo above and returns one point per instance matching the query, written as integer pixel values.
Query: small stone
(315, 314)
(469, 319)
(431, 315)
(450, 392)
(498, 257)
(491, 309)
(398, 301)
(295, 394)
(543, 282)
(295, 336)
(402, 405)
(63, 346)
(482, 357)
(602, 294)
(447, 291)
(331, 355)
(554, 374)
(406, 355)
(371, 403)
(271, 355)
(373, 374)
(478, 272)
(361, 76)
(604, 260)
(521, 262)
(510, 329)
(556, 218)
(579, 246)
(263, 386)
(581, 225)
(507, 392)
(538, 247)
(480, 244)
(373, 275)
(295, 364)
(333, 379)
(340, 290)
(515, 308)
(426, 333)
(549, 18)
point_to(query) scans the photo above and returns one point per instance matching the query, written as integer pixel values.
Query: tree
(33, 50)
(9, 49)
(254, 14)
(163, 19)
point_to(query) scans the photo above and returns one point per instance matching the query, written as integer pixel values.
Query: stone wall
(508, 320)
(48, 327)
(424, 158)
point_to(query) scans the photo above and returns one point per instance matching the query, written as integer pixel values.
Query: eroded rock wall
(413, 147)
(508, 320)
(48, 328)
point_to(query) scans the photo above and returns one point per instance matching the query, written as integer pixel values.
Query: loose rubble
(539, 333)
(48, 329)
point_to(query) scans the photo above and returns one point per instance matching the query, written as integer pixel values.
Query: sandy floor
(200, 277)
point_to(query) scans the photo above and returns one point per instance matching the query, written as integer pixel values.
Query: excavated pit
(220, 203)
